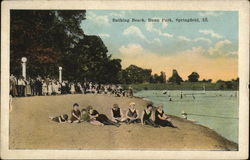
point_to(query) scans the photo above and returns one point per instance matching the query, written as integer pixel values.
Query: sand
(30, 127)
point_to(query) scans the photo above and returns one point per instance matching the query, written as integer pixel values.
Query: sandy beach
(30, 127)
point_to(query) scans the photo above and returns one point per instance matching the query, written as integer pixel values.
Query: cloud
(133, 30)
(131, 50)
(210, 13)
(184, 38)
(151, 28)
(104, 35)
(164, 24)
(157, 40)
(221, 49)
(117, 14)
(185, 62)
(100, 20)
(202, 39)
(211, 33)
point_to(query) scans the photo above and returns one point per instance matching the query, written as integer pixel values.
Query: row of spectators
(21, 87)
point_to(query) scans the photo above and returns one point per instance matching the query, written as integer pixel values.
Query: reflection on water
(217, 110)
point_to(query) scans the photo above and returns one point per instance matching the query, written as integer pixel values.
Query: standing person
(32, 86)
(146, 118)
(161, 118)
(13, 86)
(132, 115)
(27, 87)
(102, 118)
(75, 114)
(72, 88)
(20, 86)
(45, 88)
(38, 86)
(131, 94)
(63, 87)
(50, 88)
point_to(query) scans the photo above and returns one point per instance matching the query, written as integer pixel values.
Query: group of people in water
(117, 117)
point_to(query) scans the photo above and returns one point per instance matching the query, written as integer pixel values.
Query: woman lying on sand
(60, 119)
(147, 117)
(101, 118)
(132, 115)
(85, 117)
(161, 118)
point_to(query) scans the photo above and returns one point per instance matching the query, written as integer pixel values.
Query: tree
(175, 78)
(135, 74)
(44, 37)
(193, 77)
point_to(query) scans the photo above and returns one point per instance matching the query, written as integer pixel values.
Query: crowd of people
(21, 87)
(117, 117)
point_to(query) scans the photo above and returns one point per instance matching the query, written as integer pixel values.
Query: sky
(209, 47)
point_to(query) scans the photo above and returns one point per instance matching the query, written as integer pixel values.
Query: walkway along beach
(30, 127)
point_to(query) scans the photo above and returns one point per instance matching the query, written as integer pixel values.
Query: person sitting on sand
(60, 119)
(132, 115)
(84, 115)
(102, 118)
(146, 118)
(75, 114)
(161, 118)
(116, 113)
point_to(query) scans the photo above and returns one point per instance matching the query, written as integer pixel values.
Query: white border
(241, 6)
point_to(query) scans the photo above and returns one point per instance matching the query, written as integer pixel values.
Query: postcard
(124, 80)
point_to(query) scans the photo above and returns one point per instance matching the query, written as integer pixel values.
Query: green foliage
(184, 86)
(193, 77)
(50, 39)
(175, 78)
(44, 37)
(135, 74)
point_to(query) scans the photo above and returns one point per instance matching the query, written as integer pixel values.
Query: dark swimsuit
(147, 120)
(161, 122)
(116, 113)
(103, 119)
(77, 113)
(133, 115)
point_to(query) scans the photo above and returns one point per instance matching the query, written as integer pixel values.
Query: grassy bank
(183, 86)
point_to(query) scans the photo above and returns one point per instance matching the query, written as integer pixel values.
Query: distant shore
(30, 127)
(184, 86)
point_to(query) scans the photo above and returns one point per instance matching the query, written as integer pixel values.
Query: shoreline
(22, 109)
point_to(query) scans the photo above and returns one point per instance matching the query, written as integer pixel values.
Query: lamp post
(24, 60)
(60, 74)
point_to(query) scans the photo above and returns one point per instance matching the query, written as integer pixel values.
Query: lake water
(217, 110)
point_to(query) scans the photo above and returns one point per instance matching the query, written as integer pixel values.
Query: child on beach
(147, 117)
(132, 115)
(75, 114)
(161, 118)
(60, 119)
